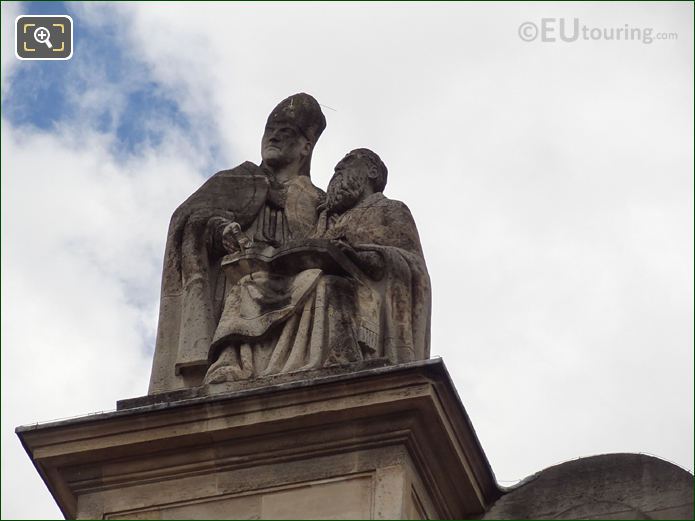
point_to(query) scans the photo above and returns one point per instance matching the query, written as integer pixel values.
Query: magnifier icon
(43, 35)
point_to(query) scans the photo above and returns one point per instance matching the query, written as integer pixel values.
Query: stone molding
(210, 447)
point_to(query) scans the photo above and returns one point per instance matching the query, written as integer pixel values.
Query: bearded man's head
(360, 173)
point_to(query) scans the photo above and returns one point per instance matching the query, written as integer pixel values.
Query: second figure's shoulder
(379, 200)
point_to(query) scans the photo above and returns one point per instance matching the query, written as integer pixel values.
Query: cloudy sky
(552, 184)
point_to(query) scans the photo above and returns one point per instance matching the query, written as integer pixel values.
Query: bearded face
(347, 185)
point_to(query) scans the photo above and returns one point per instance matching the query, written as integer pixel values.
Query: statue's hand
(234, 240)
(370, 262)
(229, 240)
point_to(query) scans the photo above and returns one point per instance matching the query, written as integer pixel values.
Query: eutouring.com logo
(550, 30)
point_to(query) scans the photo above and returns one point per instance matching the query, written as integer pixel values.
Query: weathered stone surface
(382, 443)
(264, 274)
(609, 486)
(271, 203)
(357, 290)
(286, 380)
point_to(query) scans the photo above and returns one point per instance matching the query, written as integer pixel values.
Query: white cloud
(83, 231)
(83, 237)
(551, 183)
(10, 11)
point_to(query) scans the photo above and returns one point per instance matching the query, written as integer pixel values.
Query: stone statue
(372, 301)
(380, 235)
(264, 274)
(272, 203)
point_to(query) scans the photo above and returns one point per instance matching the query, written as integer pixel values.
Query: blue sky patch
(45, 94)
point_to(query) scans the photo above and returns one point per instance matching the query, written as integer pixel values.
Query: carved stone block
(388, 442)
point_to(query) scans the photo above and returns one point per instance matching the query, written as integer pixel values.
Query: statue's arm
(371, 263)
(388, 225)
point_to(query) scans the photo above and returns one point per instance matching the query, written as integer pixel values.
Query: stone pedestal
(379, 443)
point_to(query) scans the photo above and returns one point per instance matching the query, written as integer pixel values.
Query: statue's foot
(220, 375)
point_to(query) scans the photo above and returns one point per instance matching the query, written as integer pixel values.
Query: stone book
(290, 259)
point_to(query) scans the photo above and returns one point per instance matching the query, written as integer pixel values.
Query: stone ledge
(406, 418)
(315, 375)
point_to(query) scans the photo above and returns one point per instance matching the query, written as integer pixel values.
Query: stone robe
(193, 285)
(399, 304)
(322, 317)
